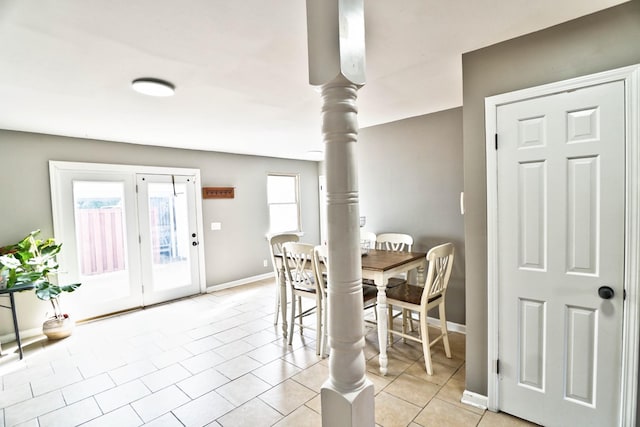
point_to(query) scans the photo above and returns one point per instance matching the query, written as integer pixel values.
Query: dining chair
(320, 268)
(394, 242)
(422, 299)
(275, 248)
(367, 239)
(301, 279)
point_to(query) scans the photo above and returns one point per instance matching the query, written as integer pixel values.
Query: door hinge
(624, 294)
(496, 138)
(139, 238)
(136, 188)
(498, 367)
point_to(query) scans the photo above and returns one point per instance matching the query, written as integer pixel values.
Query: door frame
(55, 167)
(631, 314)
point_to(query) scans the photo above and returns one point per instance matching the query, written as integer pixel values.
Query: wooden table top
(386, 260)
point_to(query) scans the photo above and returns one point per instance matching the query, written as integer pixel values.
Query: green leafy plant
(32, 261)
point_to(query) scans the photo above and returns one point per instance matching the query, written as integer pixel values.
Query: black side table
(12, 306)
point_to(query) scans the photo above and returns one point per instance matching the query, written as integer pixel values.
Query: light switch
(216, 226)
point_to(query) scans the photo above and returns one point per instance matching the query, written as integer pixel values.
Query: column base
(353, 409)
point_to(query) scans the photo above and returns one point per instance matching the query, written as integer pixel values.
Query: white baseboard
(474, 399)
(239, 282)
(451, 326)
(24, 334)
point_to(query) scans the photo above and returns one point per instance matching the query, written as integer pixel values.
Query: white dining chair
(394, 242)
(301, 280)
(275, 248)
(320, 268)
(421, 299)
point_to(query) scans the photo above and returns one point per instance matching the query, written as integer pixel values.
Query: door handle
(194, 243)
(605, 292)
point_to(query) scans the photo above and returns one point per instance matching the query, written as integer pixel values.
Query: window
(283, 201)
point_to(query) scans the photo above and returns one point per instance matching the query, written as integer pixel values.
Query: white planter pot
(56, 329)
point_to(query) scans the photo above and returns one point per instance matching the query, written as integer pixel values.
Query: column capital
(336, 41)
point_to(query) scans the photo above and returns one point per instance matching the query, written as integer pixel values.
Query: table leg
(15, 323)
(283, 300)
(382, 326)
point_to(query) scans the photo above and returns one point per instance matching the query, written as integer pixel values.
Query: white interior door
(168, 237)
(561, 201)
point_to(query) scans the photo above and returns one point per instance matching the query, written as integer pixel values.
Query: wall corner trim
(474, 399)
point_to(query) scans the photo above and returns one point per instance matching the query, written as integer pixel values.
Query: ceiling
(239, 67)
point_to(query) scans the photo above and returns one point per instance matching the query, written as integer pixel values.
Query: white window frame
(296, 177)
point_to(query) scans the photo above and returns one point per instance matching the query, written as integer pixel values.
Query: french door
(130, 238)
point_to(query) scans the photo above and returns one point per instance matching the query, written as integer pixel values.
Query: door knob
(605, 292)
(194, 243)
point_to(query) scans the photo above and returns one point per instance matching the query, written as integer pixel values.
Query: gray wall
(410, 178)
(234, 253)
(598, 42)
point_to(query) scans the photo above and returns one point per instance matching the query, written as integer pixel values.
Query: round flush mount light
(153, 87)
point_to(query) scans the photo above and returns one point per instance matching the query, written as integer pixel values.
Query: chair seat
(409, 293)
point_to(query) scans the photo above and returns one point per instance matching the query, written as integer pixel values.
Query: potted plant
(32, 261)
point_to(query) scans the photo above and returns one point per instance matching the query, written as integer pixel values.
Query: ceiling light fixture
(153, 87)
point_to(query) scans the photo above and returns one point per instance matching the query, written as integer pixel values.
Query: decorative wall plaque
(218, 192)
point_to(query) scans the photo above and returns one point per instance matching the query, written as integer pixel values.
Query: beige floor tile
(243, 389)
(132, 371)
(394, 367)
(287, 396)
(460, 374)
(301, 417)
(394, 412)
(303, 357)
(276, 372)
(32, 408)
(441, 373)
(268, 352)
(15, 395)
(313, 377)
(237, 367)
(315, 404)
(500, 419)
(379, 382)
(159, 403)
(254, 413)
(202, 361)
(170, 357)
(166, 420)
(122, 417)
(202, 345)
(86, 388)
(71, 415)
(202, 383)
(165, 377)
(439, 414)
(203, 410)
(121, 395)
(412, 389)
(452, 393)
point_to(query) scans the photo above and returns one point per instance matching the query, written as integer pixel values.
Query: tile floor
(217, 360)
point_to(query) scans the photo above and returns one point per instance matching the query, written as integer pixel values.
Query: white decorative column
(336, 64)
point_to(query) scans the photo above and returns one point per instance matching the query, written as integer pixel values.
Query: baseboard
(24, 334)
(239, 282)
(474, 399)
(451, 326)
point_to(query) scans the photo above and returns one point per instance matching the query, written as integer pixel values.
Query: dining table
(378, 266)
